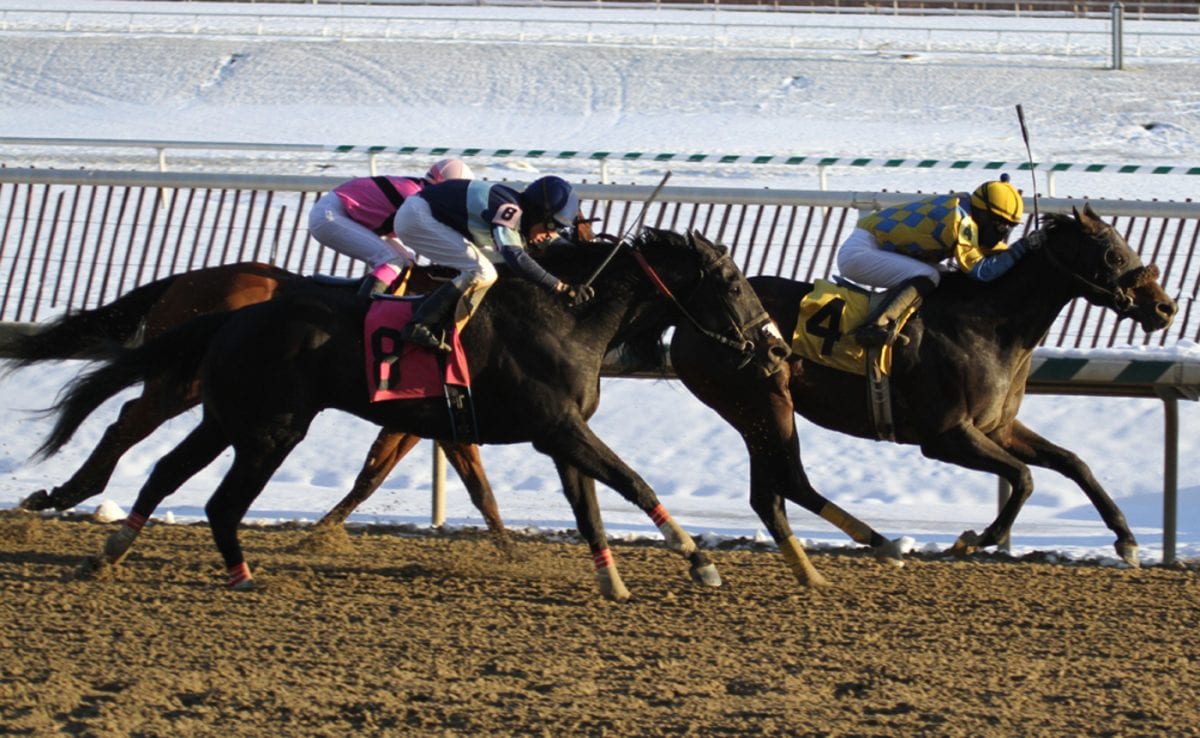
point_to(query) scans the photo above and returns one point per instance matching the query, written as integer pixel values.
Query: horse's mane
(958, 285)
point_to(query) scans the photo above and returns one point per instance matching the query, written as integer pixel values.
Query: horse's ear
(697, 238)
(1089, 219)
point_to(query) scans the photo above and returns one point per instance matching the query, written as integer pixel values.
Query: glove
(1034, 241)
(577, 294)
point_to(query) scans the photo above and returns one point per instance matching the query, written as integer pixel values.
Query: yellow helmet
(999, 198)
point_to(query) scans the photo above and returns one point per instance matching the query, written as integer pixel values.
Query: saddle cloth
(827, 314)
(400, 371)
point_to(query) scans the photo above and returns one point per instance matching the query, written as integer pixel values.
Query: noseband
(742, 345)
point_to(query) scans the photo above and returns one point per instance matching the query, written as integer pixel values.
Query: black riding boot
(881, 325)
(432, 319)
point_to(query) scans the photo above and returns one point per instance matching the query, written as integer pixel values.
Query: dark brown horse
(154, 308)
(957, 379)
(268, 369)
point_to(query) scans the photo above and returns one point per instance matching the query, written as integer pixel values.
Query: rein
(745, 347)
(1117, 295)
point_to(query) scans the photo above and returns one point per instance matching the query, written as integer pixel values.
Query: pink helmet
(449, 169)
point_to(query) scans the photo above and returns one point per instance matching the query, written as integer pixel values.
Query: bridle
(743, 345)
(1118, 292)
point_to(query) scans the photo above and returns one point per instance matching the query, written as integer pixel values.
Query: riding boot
(882, 324)
(432, 318)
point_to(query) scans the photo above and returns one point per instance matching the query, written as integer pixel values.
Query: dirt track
(395, 634)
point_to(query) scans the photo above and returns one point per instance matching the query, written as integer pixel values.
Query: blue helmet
(550, 201)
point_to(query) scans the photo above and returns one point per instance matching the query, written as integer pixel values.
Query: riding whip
(1029, 152)
(637, 225)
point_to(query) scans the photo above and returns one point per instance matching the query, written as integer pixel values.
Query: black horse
(957, 380)
(266, 370)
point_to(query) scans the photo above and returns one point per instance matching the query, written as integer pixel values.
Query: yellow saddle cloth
(827, 314)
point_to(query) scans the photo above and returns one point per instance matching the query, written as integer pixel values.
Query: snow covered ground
(415, 90)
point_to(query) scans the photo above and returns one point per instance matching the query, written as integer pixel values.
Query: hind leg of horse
(576, 445)
(193, 453)
(251, 470)
(968, 447)
(580, 491)
(386, 451)
(138, 418)
(768, 427)
(465, 459)
(1036, 450)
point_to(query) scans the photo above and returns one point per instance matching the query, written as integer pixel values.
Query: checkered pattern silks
(929, 230)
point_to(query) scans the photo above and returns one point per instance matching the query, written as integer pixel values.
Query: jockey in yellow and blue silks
(899, 248)
(469, 225)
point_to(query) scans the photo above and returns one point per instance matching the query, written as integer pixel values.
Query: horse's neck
(1022, 305)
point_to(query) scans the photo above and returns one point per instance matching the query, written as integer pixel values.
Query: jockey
(355, 219)
(470, 225)
(899, 248)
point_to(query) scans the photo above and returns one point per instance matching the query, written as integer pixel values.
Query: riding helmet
(449, 169)
(550, 201)
(999, 198)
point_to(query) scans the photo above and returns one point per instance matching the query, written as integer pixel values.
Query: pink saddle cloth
(401, 371)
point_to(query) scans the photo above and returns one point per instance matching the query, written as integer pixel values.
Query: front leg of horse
(968, 447)
(703, 571)
(580, 491)
(770, 510)
(1036, 450)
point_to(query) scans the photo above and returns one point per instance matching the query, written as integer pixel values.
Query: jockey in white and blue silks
(355, 218)
(468, 226)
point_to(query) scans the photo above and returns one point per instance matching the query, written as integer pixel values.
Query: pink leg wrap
(239, 573)
(135, 522)
(659, 515)
(603, 558)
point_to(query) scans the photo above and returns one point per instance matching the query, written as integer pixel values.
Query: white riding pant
(862, 260)
(329, 223)
(441, 244)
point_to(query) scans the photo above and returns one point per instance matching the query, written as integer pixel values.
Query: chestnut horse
(958, 377)
(267, 370)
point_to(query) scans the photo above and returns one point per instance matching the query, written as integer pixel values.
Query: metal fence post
(1170, 476)
(1118, 34)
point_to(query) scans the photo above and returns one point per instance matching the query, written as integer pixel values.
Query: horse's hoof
(611, 585)
(247, 585)
(967, 544)
(117, 546)
(889, 552)
(1129, 554)
(706, 575)
(37, 501)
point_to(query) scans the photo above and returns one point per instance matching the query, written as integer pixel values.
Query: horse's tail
(78, 334)
(174, 358)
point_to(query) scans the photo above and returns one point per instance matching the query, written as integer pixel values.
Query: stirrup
(419, 334)
(876, 336)
(871, 335)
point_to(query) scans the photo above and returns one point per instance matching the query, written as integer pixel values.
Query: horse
(958, 377)
(154, 308)
(266, 370)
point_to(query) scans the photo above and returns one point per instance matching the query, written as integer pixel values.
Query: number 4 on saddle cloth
(827, 315)
(401, 371)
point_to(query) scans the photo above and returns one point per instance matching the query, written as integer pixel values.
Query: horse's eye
(1114, 259)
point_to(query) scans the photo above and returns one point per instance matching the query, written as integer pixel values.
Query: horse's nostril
(779, 352)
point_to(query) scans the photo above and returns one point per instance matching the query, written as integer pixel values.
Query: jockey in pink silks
(356, 219)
